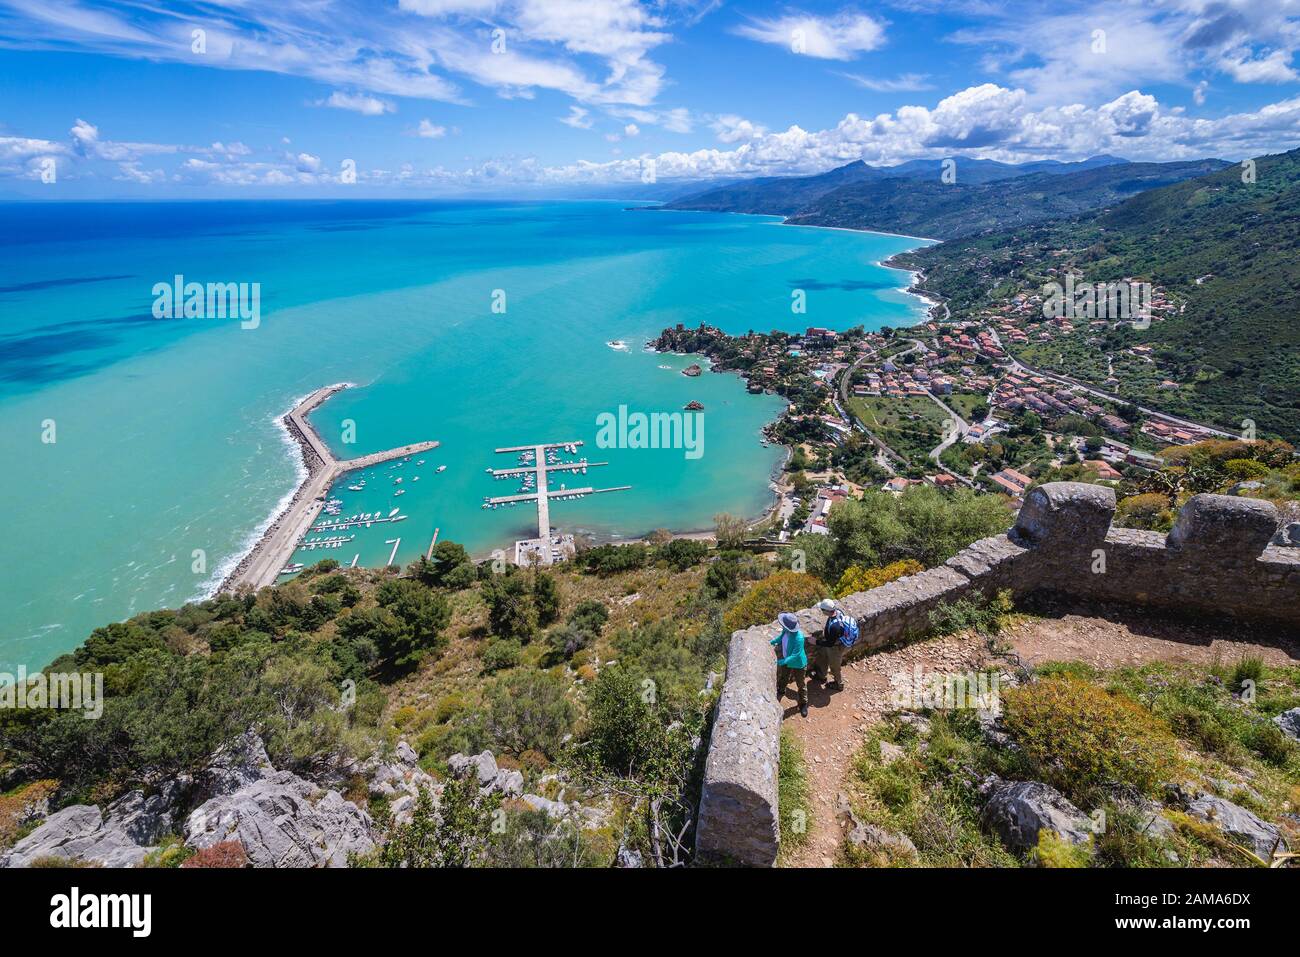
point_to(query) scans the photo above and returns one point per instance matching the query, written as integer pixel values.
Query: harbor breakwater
(268, 556)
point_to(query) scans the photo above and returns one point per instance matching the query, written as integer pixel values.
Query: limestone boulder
(283, 820)
(1289, 722)
(1019, 811)
(490, 777)
(1238, 824)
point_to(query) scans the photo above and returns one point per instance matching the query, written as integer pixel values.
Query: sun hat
(788, 621)
(828, 605)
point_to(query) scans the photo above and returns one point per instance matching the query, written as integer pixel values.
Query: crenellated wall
(1216, 561)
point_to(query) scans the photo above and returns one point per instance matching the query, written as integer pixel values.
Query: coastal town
(948, 403)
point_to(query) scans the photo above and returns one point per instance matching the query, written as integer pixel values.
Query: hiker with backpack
(840, 634)
(791, 659)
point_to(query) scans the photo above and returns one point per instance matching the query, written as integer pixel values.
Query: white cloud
(839, 37)
(1060, 57)
(731, 128)
(429, 131)
(579, 118)
(903, 83)
(358, 103)
(631, 130)
(677, 120)
(1273, 68)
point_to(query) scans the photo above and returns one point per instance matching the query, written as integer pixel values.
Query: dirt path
(836, 721)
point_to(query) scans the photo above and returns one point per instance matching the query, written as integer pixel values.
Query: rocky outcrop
(871, 838)
(491, 779)
(282, 820)
(76, 833)
(1018, 811)
(119, 836)
(1289, 722)
(1238, 824)
(400, 781)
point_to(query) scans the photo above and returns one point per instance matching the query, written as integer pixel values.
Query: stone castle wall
(1216, 561)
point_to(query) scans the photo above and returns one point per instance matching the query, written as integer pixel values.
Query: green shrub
(858, 578)
(501, 653)
(722, 579)
(682, 553)
(611, 559)
(1249, 668)
(1054, 851)
(527, 709)
(512, 613)
(778, 592)
(1081, 737)
(973, 613)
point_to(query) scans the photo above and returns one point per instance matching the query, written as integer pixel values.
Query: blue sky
(260, 98)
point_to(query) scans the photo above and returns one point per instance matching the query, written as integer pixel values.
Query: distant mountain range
(788, 195)
(913, 198)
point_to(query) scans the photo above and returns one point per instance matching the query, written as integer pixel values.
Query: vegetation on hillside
(1225, 243)
(1115, 742)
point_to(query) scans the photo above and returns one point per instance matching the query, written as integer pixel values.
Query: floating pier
(542, 494)
(345, 523)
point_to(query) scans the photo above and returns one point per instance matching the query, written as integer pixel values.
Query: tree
(723, 579)
(923, 523)
(546, 598)
(528, 710)
(455, 834)
(511, 610)
(729, 530)
(682, 553)
(581, 630)
(422, 613)
(446, 558)
(635, 748)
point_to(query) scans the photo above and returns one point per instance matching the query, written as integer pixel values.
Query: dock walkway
(542, 495)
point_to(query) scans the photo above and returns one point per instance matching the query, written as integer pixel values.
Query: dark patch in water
(42, 355)
(55, 283)
(846, 285)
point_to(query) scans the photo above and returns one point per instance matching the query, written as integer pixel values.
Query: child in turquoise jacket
(791, 659)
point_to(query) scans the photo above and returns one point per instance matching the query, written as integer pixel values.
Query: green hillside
(790, 195)
(932, 208)
(1235, 348)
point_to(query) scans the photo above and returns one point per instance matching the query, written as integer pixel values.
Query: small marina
(536, 463)
(269, 559)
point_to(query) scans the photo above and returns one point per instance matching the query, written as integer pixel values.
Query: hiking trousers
(828, 661)
(783, 677)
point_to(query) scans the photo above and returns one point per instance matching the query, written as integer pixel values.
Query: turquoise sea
(164, 436)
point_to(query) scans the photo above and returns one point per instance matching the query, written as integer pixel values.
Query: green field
(911, 426)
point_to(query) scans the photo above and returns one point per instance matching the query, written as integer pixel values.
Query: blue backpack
(849, 631)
